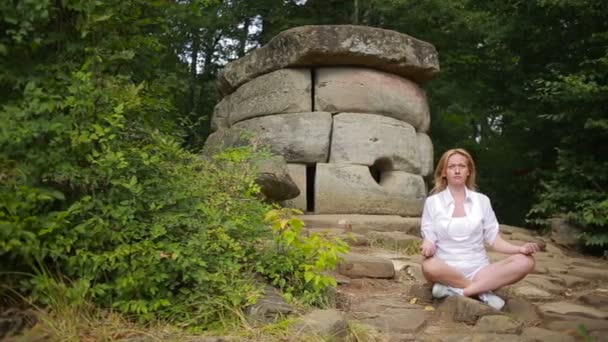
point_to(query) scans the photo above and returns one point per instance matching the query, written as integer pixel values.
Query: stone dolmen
(343, 105)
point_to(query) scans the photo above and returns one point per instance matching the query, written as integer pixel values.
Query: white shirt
(455, 241)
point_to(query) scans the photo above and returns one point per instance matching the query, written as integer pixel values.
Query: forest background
(104, 106)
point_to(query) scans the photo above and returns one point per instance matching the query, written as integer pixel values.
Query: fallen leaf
(429, 308)
(413, 300)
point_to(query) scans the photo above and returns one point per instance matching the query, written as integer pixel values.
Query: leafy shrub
(297, 263)
(93, 194)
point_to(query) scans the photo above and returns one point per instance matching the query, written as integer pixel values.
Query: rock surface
(367, 139)
(346, 188)
(380, 49)
(361, 90)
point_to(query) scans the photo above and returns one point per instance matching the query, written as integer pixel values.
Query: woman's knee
(526, 262)
(430, 267)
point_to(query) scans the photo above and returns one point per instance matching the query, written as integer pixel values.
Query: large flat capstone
(385, 50)
(346, 188)
(279, 92)
(362, 90)
(366, 139)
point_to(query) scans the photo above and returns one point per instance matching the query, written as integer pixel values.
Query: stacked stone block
(358, 128)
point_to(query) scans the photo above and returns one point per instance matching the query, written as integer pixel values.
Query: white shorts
(468, 269)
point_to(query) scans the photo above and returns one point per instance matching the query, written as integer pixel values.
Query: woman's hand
(529, 248)
(428, 248)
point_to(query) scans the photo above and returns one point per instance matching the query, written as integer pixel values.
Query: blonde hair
(441, 182)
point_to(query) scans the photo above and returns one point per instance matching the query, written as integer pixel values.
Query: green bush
(297, 263)
(93, 194)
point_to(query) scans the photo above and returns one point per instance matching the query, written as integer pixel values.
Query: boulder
(279, 92)
(425, 153)
(390, 316)
(535, 334)
(328, 324)
(523, 310)
(365, 266)
(376, 48)
(563, 233)
(345, 188)
(572, 309)
(361, 90)
(497, 324)
(274, 179)
(270, 306)
(297, 172)
(368, 139)
(298, 137)
(464, 309)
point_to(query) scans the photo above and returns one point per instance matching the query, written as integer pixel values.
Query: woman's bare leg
(499, 274)
(436, 270)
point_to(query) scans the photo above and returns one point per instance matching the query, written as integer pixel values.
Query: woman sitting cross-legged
(456, 221)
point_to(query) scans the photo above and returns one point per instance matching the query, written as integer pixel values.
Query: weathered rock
(523, 310)
(535, 334)
(361, 90)
(270, 306)
(497, 324)
(564, 233)
(344, 188)
(389, 315)
(544, 282)
(422, 292)
(279, 92)
(385, 50)
(557, 322)
(596, 274)
(464, 309)
(297, 172)
(571, 281)
(358, 265)
(425, 153)
(323, 323)
(298, 137)
(274, 180)
(530, 293)
(595, 298)
(368, 139)
(363, 224)
(572, 309)
(478, 337)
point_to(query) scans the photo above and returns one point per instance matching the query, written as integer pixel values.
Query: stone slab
(298, 137)
(279, 92)
(362, 90)
(363, 224)
(386, 50)
(425, 153)
(345, 188)
(369, 139)
(365, 266)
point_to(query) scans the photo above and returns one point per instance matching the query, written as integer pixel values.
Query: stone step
(362, 224)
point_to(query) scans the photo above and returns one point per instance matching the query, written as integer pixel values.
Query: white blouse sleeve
(426, 223)
(490, 223)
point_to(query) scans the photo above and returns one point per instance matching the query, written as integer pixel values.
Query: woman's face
(456, 170)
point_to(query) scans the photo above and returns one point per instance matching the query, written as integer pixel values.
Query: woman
(456, 221)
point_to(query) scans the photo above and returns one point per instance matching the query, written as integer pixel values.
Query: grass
(409, 247)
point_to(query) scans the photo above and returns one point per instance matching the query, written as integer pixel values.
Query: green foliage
(297, 263)
(93, 193)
